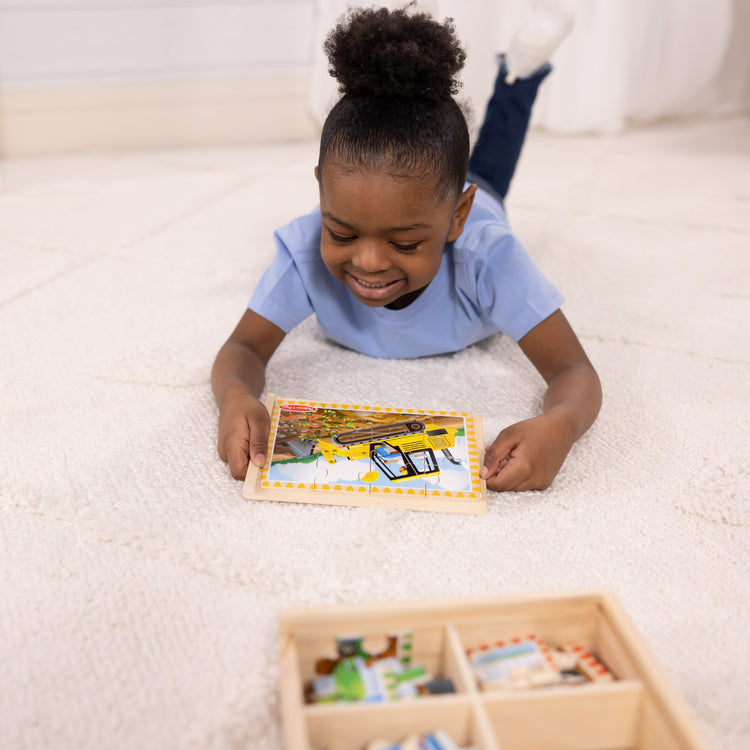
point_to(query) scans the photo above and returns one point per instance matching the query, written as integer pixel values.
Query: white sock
(542, 33)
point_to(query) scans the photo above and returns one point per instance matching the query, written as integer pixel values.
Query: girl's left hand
(527, 455)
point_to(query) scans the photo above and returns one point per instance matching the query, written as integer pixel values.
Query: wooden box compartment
(350, 726)
(639, 710)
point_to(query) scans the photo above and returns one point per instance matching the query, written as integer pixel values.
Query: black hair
(397, 73)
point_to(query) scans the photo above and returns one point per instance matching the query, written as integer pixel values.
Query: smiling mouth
(372, 285)
(373, 290)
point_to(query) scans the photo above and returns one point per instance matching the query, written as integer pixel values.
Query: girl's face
(383, 234)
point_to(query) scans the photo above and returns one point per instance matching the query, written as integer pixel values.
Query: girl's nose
(371, 257)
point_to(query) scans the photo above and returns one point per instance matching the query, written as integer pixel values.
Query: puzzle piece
(588, 664)
(431, 484)
(321, 473)
(518, 663)
(366, 478)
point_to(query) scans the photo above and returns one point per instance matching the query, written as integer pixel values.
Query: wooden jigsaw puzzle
(353, 454)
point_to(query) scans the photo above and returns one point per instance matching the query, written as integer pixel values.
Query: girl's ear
(463, 208)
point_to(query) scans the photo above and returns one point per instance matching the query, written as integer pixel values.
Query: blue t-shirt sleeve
(511, 291)
(281, 296)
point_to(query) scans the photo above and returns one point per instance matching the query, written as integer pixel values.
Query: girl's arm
(528, 455)
(237, 378)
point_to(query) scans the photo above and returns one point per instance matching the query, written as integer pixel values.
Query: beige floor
(140, 592)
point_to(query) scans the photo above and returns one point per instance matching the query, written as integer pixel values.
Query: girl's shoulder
(486, 228)
(301, 236)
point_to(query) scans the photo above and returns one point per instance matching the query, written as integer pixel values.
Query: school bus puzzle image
(355, 454)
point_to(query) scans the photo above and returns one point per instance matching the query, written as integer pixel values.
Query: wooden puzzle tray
(637, 710)
(356, 454)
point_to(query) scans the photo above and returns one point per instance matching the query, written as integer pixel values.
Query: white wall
(87, 74)
(626, 62)
(78, 74)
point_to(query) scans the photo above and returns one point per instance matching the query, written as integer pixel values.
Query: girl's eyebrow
(338, 221)
(411, 227)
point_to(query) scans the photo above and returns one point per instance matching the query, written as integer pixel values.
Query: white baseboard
(133, 116)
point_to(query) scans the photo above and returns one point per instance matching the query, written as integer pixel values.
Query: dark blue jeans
(495, 154)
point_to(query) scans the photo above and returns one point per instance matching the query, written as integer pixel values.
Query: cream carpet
(140, 591)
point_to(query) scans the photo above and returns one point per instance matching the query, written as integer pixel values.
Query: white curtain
(626, 61)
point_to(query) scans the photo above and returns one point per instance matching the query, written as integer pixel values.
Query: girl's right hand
(244, 424)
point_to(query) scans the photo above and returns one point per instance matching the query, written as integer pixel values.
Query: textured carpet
(140, 591)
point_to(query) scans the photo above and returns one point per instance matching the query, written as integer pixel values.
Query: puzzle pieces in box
(584, 663)
(530, 662)
(520, 663)
(357, 674)
(436, 740)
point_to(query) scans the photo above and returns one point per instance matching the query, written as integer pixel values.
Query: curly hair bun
(376, 52)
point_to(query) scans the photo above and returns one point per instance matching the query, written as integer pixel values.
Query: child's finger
(258, 444)
(258, 453)
(512, 476)
(496, 455)
(237, 458)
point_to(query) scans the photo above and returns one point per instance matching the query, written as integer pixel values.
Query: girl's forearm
(575, 395)
(237, 370)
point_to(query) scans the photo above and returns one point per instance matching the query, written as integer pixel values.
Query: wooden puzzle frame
(393, 457)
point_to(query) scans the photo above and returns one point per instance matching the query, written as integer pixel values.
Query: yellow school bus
(402, 451)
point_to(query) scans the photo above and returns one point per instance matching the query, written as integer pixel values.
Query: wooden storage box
(639, 710)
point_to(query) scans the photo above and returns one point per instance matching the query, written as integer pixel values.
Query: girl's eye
(338, 238)
(405, 248)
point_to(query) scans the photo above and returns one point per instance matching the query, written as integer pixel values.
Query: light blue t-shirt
(486, 283)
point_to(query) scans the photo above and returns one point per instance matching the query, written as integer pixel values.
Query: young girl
(407, 256)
